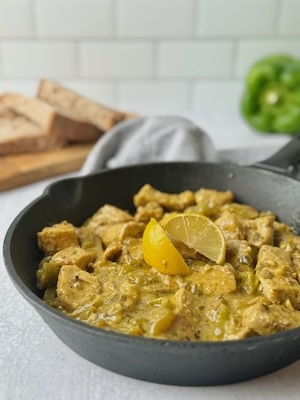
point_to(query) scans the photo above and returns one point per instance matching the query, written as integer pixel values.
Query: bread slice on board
(51, 120)
(19, 134)
(84, 108)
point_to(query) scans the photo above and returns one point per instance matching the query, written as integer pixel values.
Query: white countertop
(34, 364)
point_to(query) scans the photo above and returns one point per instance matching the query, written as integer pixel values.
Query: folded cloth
(150, 139)
(164, 138)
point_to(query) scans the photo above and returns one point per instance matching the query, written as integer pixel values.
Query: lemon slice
(199, 233)
(159, 251)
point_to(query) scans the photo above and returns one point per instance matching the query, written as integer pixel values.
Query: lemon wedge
(159, 251)
(199, 233)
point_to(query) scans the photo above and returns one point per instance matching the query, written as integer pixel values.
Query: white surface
(34, 364)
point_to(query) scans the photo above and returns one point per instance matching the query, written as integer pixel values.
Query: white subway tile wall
(236, 18)
(16, 19)
(155, 18)
(144, 55)
(71, 19)
(30, 59)
(115, 59)
(165, 96)
(195, 59)
(289, 21)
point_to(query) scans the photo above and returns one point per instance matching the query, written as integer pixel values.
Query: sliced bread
(84, 108)
(52, 121)
(19, 134)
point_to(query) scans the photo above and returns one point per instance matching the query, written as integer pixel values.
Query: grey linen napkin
(163, 138)
(150, 139)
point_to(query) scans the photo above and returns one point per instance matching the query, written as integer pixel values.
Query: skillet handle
(285, 161)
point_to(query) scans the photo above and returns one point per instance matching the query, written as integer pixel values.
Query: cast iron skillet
(161, 361)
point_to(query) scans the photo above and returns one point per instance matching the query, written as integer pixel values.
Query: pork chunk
(213, 199)
(113, 251)
(277, 276)
(48, 272)
(242, 210)
(132, 251)
(259, 231)
(76, 287)
(57, 237)
(121, 231)
(148, 211)
(214, 279)
(107, 215)
(170, 201)
(185, 323)
(239, 252)
(287, 240)
(265, 319)
(90, 241)
(125, 252)
(230, 226)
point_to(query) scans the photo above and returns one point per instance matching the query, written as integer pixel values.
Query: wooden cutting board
(19, 170)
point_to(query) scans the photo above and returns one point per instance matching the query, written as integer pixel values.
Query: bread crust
(51, 120)
(19, 134)
(84, 108)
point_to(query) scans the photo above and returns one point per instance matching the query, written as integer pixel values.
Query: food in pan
(190, 266)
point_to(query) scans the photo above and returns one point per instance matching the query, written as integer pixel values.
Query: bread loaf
(60, 124)
(19, 134)
(84, 108)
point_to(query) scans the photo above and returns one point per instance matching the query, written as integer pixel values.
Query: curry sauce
(96, 273)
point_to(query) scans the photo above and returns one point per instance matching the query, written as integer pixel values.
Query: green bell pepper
(271, 99)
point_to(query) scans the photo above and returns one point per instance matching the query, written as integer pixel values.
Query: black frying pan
(168, 362)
